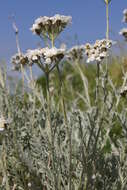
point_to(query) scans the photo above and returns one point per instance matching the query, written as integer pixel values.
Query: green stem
(19, 52)
(22, 71)
(52, 41)
(107, 32)
(50, 126)
(4, 165)
(107, 19)
(48, 97)
(66, 124)
(54, 169)
(61, 94)
(31, 73)
(97, 82)
(84, 80)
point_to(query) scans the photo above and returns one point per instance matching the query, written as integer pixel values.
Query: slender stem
(97, 82)
(31, 77)
(52, 41)
(14, 187)
(123, 85)
(17, 39)
(64, 113)
(83, 77)
(19, 52)
(31, 73)
(61, 94)
(107, 31)
(48, 97)
(40, 65)
(82, 181)
(45, 39)
(49, 122)
(22, 71)
(66, 124)
(17, 43)
(107, 19)
(50, 126)
(4, 165)
(48, 102)
(52, 68)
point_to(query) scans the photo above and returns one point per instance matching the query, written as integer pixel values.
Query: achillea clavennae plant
(50, 27)
(45, 58)
(4, 123)
(123, 32)
(107, 2)
(49, 148)
(98, 51)
(125, 16)
(123, 91)
(76, 53)
(18, 60)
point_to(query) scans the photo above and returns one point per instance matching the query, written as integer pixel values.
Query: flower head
(76, 52)
(34, 55)
(54, 54)
(123, 32)
(123, 91)
(125, 15)
(50, 26)
(19, 59)
(98, 51)
(3, 123)
(45, 57)
(107, 1)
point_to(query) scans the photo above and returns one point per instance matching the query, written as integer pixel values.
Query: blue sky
(88, 21)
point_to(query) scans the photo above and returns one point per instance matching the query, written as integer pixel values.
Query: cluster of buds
(4, 123)
(98, 51)
(53, 55)
(19, 60)
(34, 55)
(45, 57)
(123, 32)
(125, 16)
(76, 53)
(107, 1)
(123, 91)
(50, 27)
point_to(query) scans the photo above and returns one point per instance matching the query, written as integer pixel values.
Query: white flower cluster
(123, 91)
(50, 26)
(45, 56)
(98, 51)
(34, 55)
(53, 55)
(3, 123)
(76, 52)
(125, 15)
(123, 32)
(17, 60)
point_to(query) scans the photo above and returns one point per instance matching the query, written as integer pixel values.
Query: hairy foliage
(35, 157)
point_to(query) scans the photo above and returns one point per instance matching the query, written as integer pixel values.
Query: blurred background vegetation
(73, 83)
